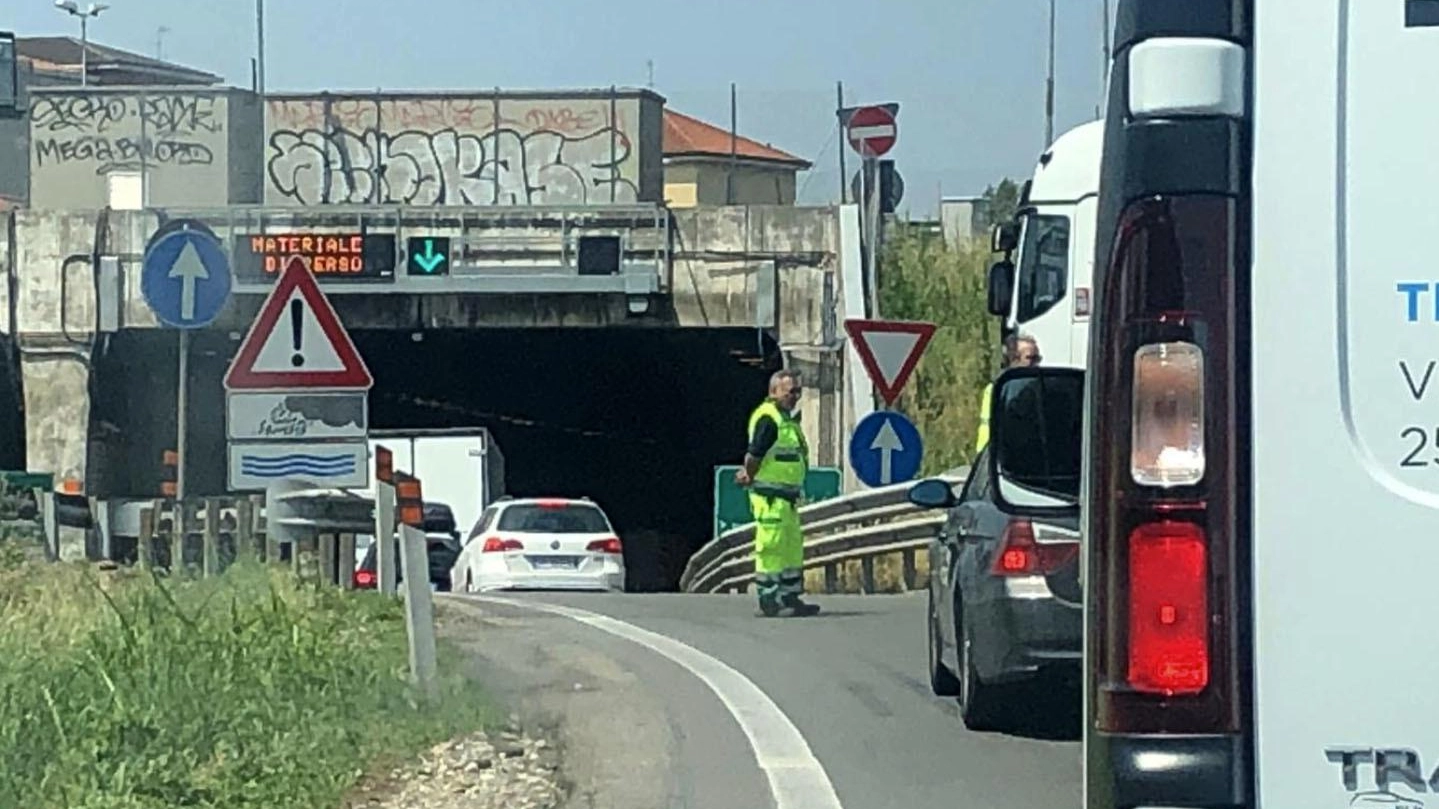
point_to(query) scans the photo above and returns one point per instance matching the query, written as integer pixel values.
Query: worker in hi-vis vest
(1019, 349)
(775, 465)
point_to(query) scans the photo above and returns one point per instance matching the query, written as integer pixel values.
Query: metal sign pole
(872, 189)
(182, 413)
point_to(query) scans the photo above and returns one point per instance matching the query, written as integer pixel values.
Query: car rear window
(558, 518)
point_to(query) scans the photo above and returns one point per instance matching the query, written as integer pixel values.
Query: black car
(1005, 604)
(443, 547)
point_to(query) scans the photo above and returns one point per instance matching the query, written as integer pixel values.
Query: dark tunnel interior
(12, 408)
(635, 419)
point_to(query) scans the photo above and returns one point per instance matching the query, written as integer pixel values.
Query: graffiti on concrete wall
(447, 151)
(120, 132)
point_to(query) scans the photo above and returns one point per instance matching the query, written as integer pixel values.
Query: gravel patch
(506, 769)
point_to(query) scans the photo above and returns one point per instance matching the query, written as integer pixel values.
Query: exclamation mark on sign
(297, 311)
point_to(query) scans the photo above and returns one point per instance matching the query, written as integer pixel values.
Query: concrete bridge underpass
(586, 393)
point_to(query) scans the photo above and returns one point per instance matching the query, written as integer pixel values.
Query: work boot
(795, 607)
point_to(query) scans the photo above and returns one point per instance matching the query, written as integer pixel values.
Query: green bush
(924, 279)
(247, 690)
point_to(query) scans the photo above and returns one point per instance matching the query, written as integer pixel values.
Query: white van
(1260, 463)
(1046, 292)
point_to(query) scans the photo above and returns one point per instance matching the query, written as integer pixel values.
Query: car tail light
(1167, 536)
(1022, 554)
(553, 504)
(610, 545)
(1168, 609)
(364, 579)
(497, 545)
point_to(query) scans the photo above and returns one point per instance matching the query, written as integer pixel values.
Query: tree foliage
(925, 279)
(1001, 201)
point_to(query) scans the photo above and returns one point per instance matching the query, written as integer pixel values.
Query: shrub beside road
(247, 690)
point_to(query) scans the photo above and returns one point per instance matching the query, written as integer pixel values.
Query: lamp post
(93, 10)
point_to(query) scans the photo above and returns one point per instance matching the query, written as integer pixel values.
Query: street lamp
(93, 10)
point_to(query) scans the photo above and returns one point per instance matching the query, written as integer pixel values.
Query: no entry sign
(871, 131)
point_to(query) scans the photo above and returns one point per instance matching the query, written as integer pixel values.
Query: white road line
(796, 778)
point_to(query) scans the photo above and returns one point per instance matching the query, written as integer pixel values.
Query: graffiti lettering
(447, 167)
(110, 154)
(164, 115)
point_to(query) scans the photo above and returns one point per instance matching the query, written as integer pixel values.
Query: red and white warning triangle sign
(889, 350)
(297, 341)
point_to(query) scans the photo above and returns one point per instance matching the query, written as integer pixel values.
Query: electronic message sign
(332, 256)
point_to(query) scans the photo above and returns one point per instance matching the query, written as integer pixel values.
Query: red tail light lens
(497, 545)
(553, 504)
(1168, 609)
(1022, 554)
(364, 579)
(611, 545)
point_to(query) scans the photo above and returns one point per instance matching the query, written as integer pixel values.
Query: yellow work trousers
(778, 548)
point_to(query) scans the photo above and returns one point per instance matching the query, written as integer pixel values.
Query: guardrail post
(866, 575)
(329, 557)
(245, 531)
(145, 542)
(831, 578)
(911, 570)
(211, 539)
(419, 606)
(346, 564)
(179, 526)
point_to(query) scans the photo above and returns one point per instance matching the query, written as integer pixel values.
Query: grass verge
(120, 691)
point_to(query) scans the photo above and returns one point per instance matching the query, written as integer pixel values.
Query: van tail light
(364, 579)
(1167, 444)
(610, 545)
(1167, 534)
(497, 545)
(1022, 554)
(1168, 609)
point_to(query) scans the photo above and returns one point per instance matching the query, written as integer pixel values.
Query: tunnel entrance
(635, 419)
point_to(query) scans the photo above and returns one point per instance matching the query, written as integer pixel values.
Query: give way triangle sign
(889, 349)
(297, 341)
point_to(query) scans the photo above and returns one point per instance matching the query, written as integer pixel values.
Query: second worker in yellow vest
(775, 465)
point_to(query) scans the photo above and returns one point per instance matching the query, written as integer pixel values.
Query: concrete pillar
(57, 418)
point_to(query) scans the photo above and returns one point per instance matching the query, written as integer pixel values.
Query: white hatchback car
(540, 544)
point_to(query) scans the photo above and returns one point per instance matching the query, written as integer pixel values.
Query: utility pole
(839, 114)
(650, 73)
(1104, 63)
(160, 42)
(1049, 85)
(260, 50)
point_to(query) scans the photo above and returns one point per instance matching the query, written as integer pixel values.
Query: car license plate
(552, 562)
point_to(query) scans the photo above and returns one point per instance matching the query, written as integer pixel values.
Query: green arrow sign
(428, 255)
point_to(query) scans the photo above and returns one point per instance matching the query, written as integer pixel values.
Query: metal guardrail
(860, 527)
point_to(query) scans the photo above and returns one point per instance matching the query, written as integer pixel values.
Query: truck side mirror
(1004, 238)
(1001, 287)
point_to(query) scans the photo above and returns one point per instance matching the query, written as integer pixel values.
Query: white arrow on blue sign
(186, 278)
(885, 448)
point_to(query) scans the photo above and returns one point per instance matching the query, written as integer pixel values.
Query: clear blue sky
(968, 74)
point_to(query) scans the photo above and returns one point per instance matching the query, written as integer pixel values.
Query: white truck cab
(1046, 291)
(1261, 452)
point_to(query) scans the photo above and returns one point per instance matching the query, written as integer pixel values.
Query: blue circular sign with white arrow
(186, 277)
(885, 449)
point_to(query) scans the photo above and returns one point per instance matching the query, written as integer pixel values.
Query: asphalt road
(643, 730)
